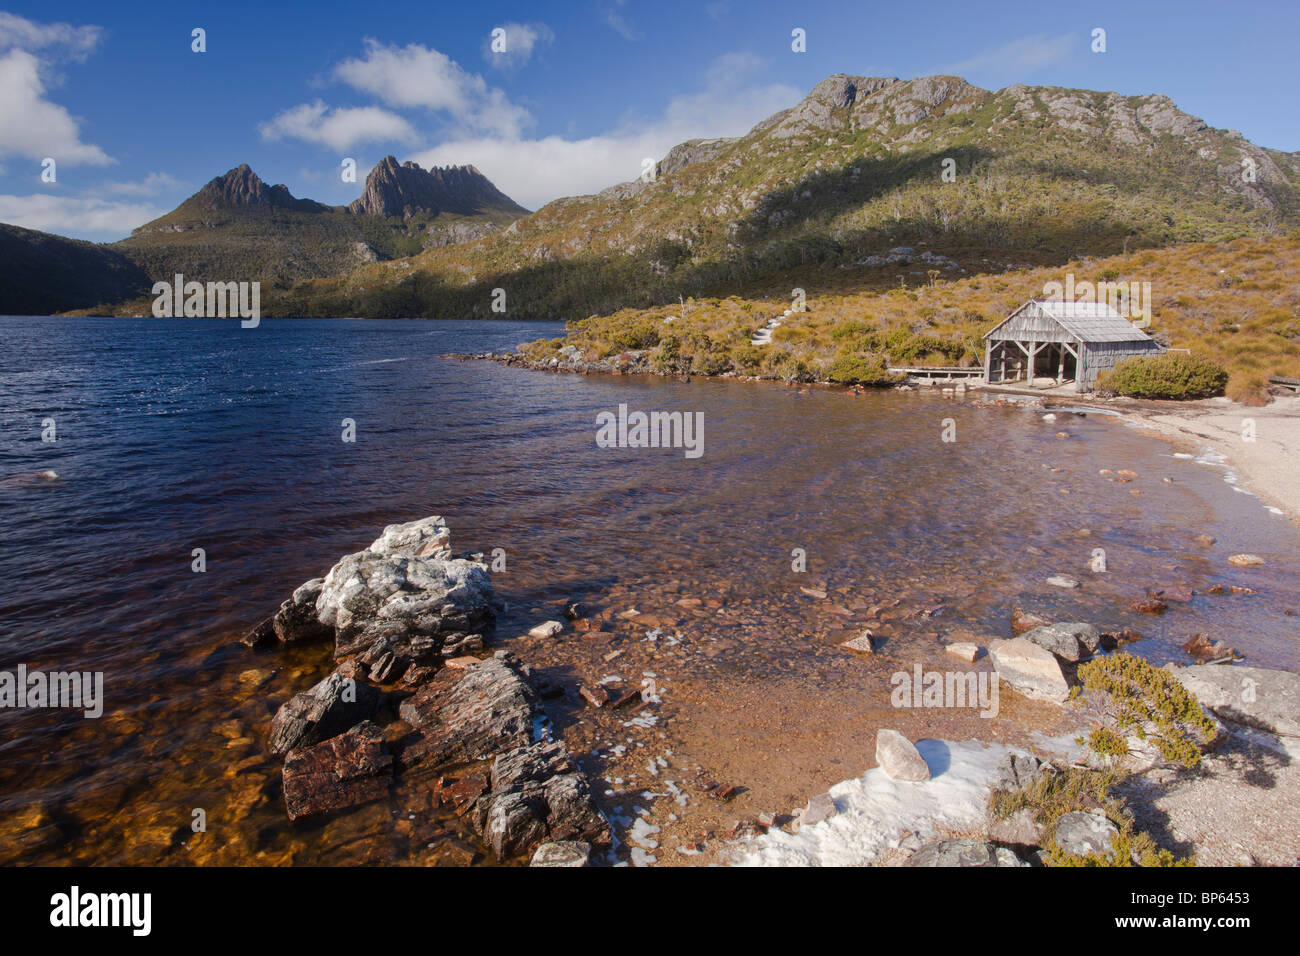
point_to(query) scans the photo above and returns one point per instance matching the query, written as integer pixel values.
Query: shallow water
(176, 434)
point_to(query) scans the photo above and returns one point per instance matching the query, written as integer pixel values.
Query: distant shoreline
(1265, 467)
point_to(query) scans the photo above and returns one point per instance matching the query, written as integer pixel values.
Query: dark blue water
(173, 435)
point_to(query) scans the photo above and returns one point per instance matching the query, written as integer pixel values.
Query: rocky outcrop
(406, 191)
(465, 716)
(332, 706)
(1254, 696)
(340, 773)
(533, 794)
(404, 601)
(243, 187)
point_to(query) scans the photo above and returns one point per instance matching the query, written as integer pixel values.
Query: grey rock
(1070, 642)
(1018, 771)
(1255, 696)
(1081, 832)
(899, 758)
(1020, 829)
(329, 708)
(562, 853)
(1031, 670)
(821, 807)
(963, 853)
(297, 620)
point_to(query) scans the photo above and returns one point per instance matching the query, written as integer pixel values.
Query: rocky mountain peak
(243, 187)
(405, 190)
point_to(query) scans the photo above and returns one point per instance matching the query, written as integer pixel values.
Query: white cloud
(536, 171)
(521, 40)
(1017, 58)
(151, 185)
(339, 129)
(30, 125)
(68, 215)
(619, 23)
(416, 76)
(24, 34)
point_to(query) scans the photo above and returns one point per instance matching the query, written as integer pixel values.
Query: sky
(136, 120)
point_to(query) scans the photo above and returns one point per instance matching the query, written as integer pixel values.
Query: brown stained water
(177, 435)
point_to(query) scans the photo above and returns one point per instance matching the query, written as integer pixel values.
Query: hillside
(41, 273)
(819, 192)
(238, 227)
(1236, 302)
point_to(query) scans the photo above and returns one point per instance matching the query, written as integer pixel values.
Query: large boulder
(899, 758)
(1070, 642)
(1031, 670)
(343, 772)
(1255, 696)
(329, 708)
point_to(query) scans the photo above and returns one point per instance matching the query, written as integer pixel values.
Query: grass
(1234, 303)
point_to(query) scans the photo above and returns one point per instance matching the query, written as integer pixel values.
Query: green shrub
(1173, 375)
(854, 369)
(1148, 700)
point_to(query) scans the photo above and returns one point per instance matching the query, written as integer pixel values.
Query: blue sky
(136, 121)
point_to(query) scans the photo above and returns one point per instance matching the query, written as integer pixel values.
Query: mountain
(237, 227)
(818, 193)
(41, 273)
(409, 192)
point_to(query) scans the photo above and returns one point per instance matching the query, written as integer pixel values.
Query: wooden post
(1060, 367)
(988, 362)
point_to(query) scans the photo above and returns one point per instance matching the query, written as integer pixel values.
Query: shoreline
(1261, 464)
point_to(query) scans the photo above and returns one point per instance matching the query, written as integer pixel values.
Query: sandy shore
(1265, 459)
(1268, 466)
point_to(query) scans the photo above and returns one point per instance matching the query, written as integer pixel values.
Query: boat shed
(1063, 341)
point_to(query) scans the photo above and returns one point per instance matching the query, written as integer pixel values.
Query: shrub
(852, 369)
(1173, 375)
(1148, 700)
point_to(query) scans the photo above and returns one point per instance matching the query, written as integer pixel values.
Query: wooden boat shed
(1064, 341)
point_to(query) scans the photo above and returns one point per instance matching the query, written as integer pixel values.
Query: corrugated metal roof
(1093, 321)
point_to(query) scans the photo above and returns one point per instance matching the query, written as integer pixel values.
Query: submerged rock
(1022, 621)
(562, 853)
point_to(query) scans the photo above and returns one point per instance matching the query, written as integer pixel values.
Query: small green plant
(1055, 793)
(1148, 701)
(1173, 375)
